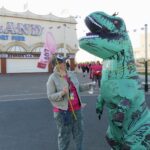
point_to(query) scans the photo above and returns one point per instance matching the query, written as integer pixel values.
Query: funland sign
(18, 31)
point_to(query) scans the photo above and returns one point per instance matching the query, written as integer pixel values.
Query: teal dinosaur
(121, 91)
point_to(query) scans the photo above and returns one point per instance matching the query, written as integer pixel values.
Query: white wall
(23, 66)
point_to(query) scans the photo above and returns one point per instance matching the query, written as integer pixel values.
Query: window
(16, 49)
(62, 50)
(37, 49)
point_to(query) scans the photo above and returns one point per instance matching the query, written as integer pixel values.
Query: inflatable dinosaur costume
(129, 117)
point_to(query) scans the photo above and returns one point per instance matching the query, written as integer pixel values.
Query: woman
(63, 92)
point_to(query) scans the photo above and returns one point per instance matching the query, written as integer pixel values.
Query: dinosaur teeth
(91, 36)
(94, 22)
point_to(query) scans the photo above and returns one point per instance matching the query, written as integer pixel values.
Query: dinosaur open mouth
(90, 34)
(95, 28)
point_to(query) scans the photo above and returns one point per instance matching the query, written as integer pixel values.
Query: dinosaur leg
(114, 142)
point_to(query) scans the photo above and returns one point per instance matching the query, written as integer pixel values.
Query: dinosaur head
(107, 35)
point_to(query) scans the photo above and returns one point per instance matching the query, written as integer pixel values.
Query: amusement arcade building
(22, 37)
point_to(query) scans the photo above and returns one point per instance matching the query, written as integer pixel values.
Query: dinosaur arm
(100, 104)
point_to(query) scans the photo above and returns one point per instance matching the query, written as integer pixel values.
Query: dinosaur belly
(126, 104)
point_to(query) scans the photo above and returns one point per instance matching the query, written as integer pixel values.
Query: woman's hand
(64, 91)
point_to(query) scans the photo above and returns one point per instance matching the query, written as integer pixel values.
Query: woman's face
(62, 66)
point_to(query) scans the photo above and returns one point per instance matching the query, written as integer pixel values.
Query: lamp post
(146, 59)
(65, 40)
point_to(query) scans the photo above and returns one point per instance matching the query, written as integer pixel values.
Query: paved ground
(26, 118)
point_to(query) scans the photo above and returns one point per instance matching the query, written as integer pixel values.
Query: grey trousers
(67, 126)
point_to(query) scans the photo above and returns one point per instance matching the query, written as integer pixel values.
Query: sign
(21, 29)
(48, 50)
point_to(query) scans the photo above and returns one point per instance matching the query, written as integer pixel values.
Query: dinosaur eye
(116, 22)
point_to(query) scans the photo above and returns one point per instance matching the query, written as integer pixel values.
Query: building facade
(22, 36)
(141, 54)
(140, 51)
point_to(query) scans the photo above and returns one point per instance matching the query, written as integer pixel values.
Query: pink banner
(47, 51)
